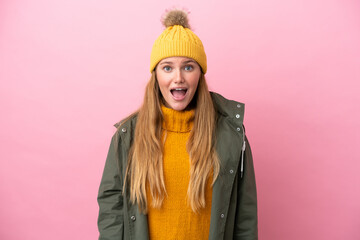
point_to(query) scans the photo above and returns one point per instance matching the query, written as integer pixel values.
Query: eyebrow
(189, 61)
(186, 62)
(165, 63)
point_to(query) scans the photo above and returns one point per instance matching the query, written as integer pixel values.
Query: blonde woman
(181, 166)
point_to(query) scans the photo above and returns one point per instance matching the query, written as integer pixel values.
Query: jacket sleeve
(110, 199)
(246, 221)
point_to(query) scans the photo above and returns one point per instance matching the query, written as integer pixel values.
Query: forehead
(177, 60)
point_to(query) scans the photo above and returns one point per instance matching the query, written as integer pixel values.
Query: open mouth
(178, 93)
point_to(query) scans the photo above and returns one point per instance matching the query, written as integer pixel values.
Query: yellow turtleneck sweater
(175, 219)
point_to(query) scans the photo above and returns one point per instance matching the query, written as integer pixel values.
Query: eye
(189, 68)
(167, 68)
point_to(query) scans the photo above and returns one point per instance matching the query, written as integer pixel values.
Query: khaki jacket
(234, 201)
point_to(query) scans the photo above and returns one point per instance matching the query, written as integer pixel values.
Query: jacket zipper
(242, 155)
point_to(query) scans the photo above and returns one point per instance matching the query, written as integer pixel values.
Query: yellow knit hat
(177, 40)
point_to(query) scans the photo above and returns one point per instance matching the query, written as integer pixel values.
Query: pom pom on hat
(176, 17)
(177, 40)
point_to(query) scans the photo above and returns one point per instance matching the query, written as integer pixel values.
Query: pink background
(71, 69)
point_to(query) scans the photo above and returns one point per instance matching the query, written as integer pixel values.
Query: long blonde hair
(145, 165)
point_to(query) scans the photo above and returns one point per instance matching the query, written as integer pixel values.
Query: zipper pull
(242, 160)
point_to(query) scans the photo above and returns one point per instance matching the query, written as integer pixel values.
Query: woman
(181, 166)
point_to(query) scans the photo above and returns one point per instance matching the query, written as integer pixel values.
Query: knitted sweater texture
(175, 219)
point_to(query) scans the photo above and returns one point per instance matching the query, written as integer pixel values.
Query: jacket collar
(229, 108)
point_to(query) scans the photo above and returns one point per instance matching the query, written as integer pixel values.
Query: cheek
(194, 78)
(164, 87)
(161, 81)
(194, 82)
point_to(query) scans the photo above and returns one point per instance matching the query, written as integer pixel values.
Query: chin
(179, 107)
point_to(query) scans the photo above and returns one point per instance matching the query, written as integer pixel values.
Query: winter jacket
(234, 201)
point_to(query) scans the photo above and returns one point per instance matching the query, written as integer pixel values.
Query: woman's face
(178, 78)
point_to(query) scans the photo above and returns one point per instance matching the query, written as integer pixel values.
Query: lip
(180, 98)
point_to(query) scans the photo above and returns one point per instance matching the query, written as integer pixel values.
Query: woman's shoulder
(127, 122)
(227, 107)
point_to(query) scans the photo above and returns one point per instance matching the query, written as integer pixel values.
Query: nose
(178, 76)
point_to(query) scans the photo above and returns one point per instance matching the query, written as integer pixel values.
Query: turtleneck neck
(177, 121)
